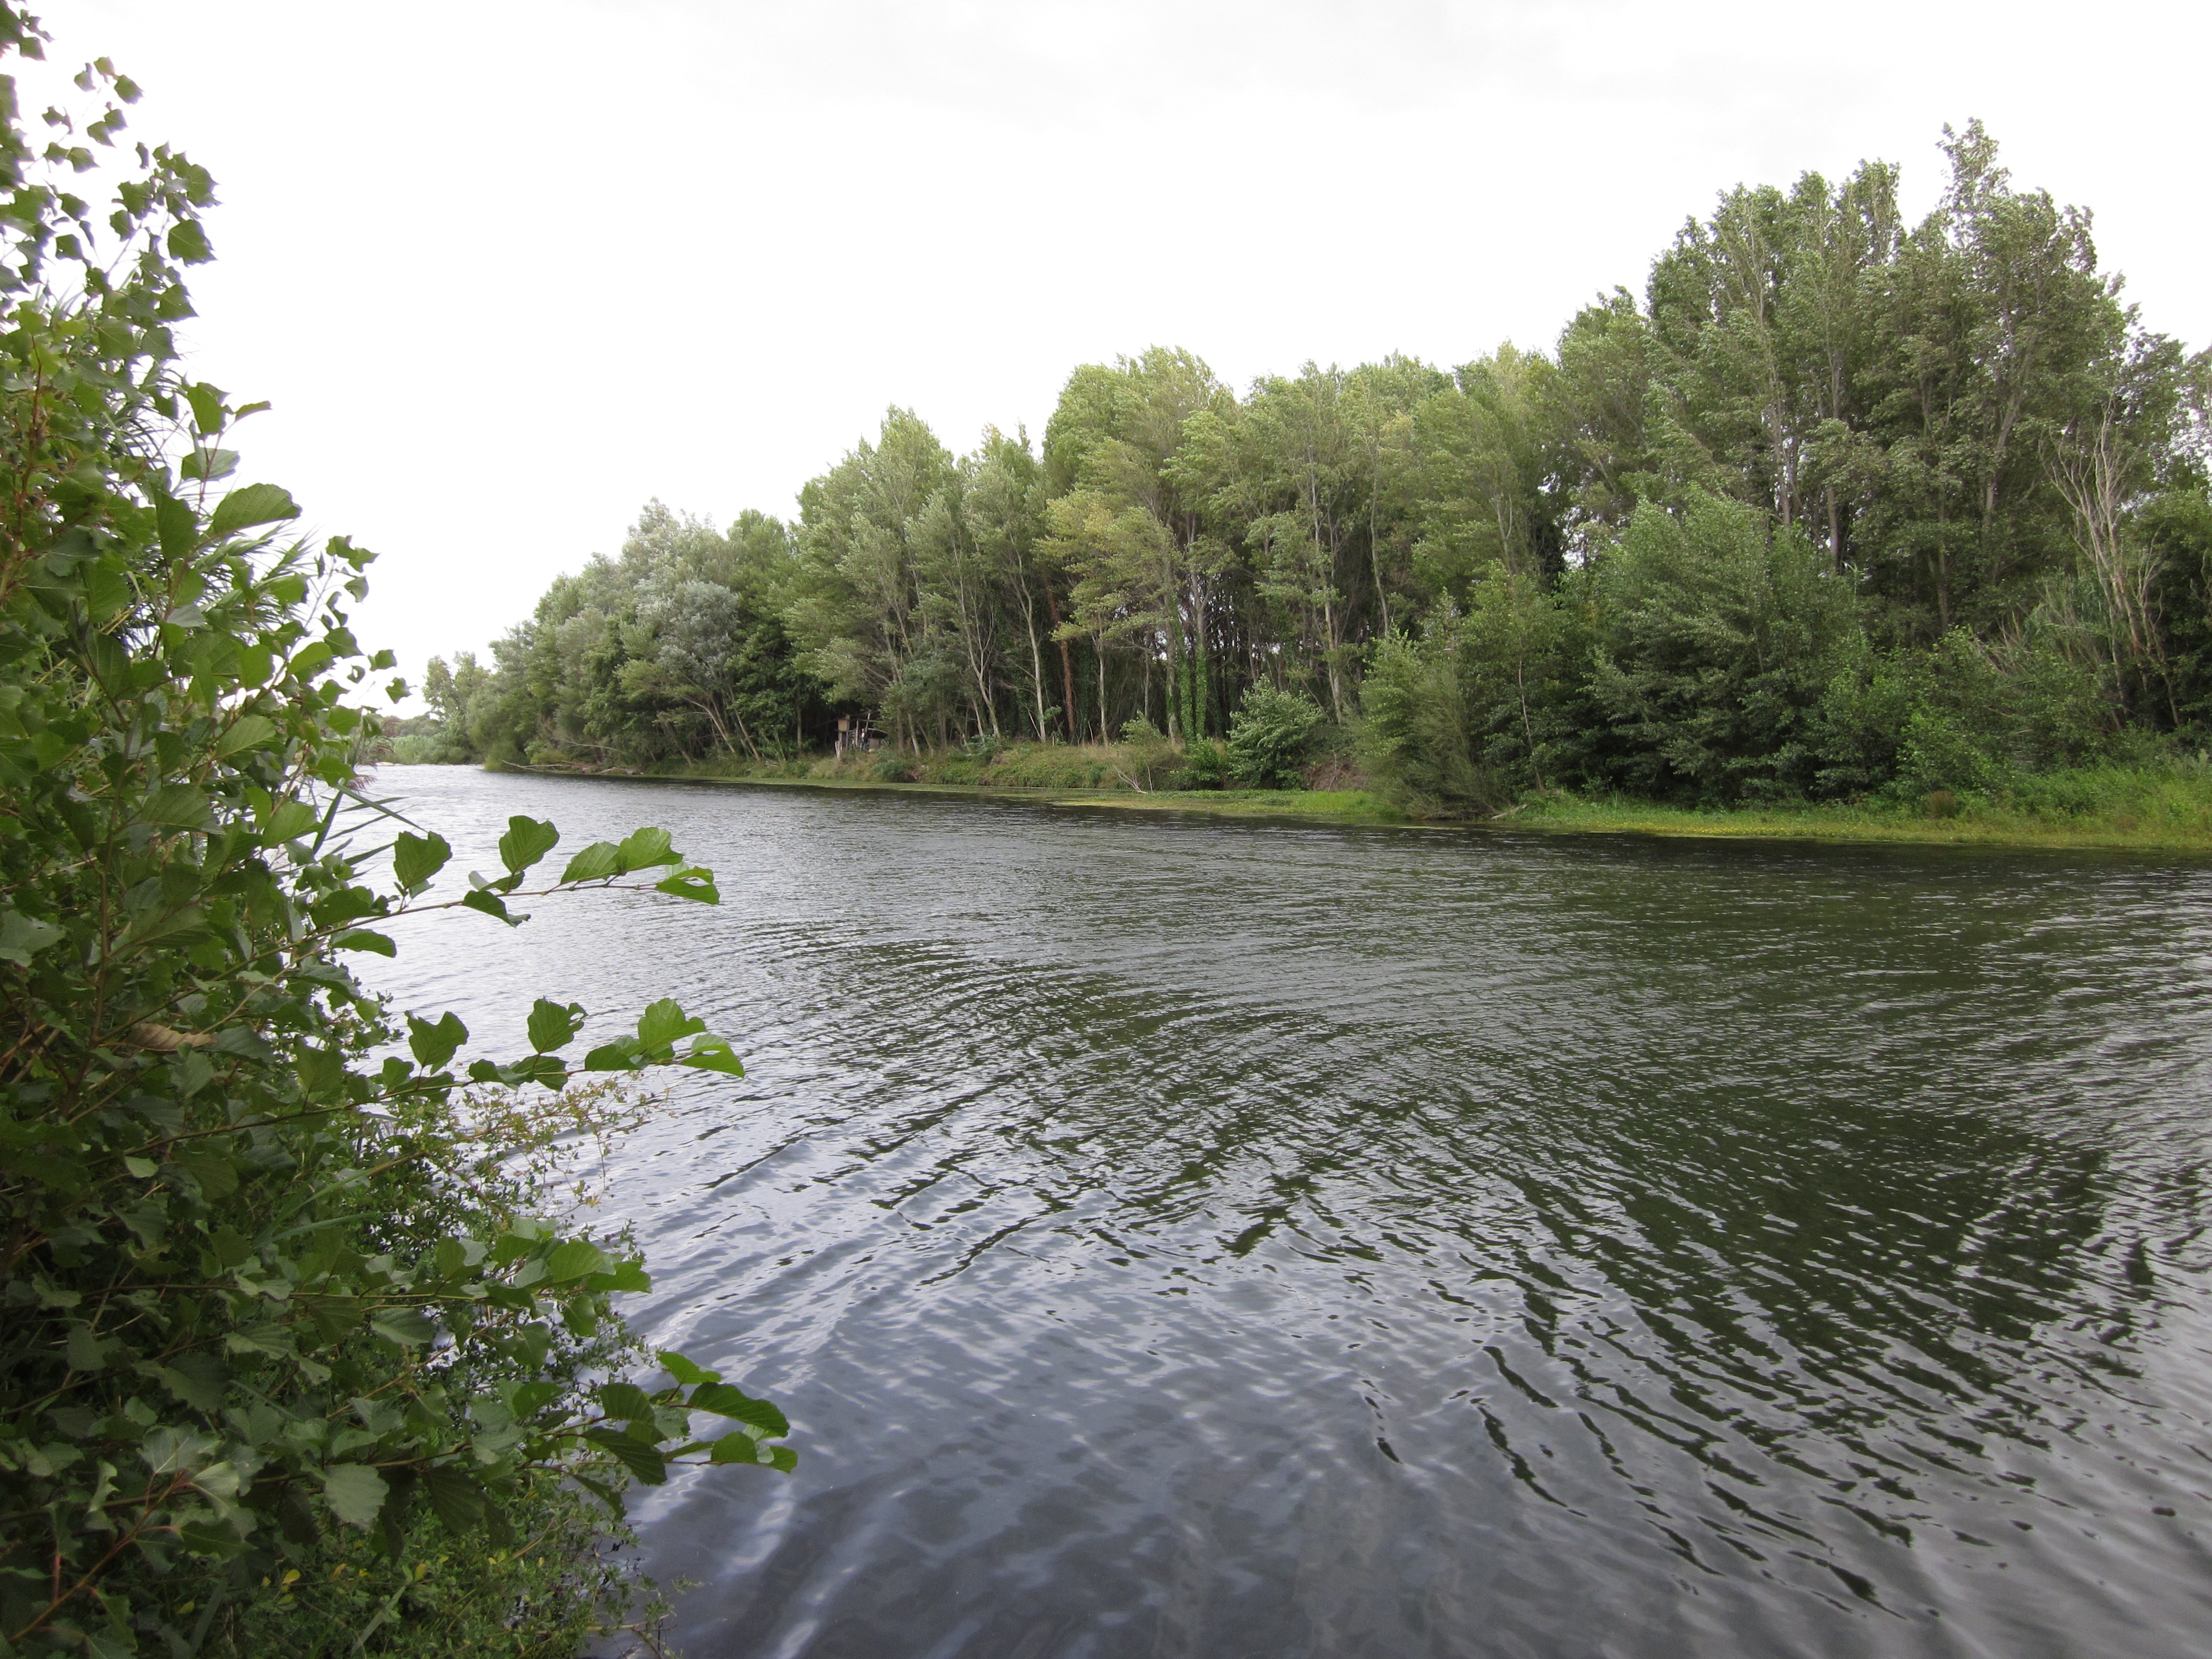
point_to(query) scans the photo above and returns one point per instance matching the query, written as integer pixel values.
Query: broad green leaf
(288, 821)
(198, 1378)
(355, 1492)
(553, 1025)
(177, 526)
(454, 1255)
(176, 804)
(434, 1045)
(624, 1276)
(573, 1259)
(309, 660)
(595, 863)
(346, 904)
(490, 905)
(107, 591)
(691, 883)
(416, 859)
(172, 1450)
(272, 1339)
(247, 731)
(209, 464)
(22, 937)
(454, 1495)
(206, 402)
(536, 1068)
(526, 840)
(605, 1493)
(626, 1400)
(85, 1349)
(664, 1022)
(215, 1174)
(376, 944)
(713, 1053)
(170, 925)
(620, 1056)
(725, 1400)
(529, 1399)
(646, 849)
(320, 1070)
(641, 1458)
(782, 1459)
(188, 243)
(408, 1326)
(251, 505)
(246, 1044)
(685, 1370)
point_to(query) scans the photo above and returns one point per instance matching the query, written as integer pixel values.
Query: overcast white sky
(509, 270)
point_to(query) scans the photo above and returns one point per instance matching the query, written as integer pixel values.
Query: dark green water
(1211, 1238)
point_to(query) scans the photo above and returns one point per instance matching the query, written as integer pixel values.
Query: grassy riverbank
(2145, 812)
(2163, 808)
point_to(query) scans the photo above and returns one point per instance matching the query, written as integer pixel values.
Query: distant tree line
(1842, 500)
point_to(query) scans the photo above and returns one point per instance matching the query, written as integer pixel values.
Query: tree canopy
(1676, 551)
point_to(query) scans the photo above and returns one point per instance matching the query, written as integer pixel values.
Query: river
(1173, 1236)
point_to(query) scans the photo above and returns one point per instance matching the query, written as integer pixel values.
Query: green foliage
(1416, 735)
(286, 1338)
(1720, 543)
(1716, 638)
(1147, 756)
(1206, 765)
(1272, 737)
(1981, 717)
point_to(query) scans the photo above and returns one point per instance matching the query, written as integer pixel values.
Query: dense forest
(1843, 503)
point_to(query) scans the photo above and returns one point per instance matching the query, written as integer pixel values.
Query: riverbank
(2149, 819)
(2151, 809)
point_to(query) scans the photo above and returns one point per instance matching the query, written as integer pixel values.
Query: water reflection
(1185, 1237)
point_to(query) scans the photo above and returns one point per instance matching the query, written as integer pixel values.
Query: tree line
(1842, 500)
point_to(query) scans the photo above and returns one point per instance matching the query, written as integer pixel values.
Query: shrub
(1415, 735)
(1048, 766)
(1981, 716)
(283, 1332)
(1206, 765)
(1271, 735)
(1718, 637)
(1146, 757)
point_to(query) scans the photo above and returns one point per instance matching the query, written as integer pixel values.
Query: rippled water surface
(1213, 1238)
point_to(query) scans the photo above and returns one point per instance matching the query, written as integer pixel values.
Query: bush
(1147, 755)
(1206, 765)
(892, 767)
(285, 1338)
(424, 749)
(1718, 639)
(1270, 736)
(1982, 716)
(1048, 766)
(1415, 738)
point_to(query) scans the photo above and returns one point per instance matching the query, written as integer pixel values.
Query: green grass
(2158, 808)
(1343, 806)
(2149, 809)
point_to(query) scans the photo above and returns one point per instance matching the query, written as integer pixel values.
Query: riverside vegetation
(306, 1351)
(1847, 520)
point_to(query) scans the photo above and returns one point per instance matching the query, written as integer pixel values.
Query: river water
(1187, 1236)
